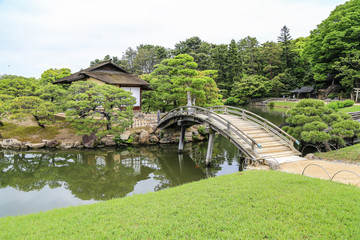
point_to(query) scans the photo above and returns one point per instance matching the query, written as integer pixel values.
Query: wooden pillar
(210, 148)
(182, 139)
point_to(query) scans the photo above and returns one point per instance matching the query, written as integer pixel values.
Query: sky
(36, 35)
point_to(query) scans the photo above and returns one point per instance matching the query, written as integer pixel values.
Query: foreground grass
(252, 205)
(355, 108)
(285, 104)
(348, 154)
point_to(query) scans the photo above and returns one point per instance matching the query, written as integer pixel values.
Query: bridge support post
(182, 139)
(210, 148)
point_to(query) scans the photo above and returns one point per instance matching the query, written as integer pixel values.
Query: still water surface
(34, 181)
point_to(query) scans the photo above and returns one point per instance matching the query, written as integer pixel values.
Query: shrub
(340, 104)
(271, 104)
(348, 103)
(333, 95)
(231, 101)
(202, 130)
(333, 105)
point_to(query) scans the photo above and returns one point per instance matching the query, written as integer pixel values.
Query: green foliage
(232, 101)
(42, 111)
(253, 86)
(349, 70)
(54, 94)
(340, 104)
(51, 75)
(202, 130)
(271, 104)
(333, 42)
(177, 82)
(99, 109)
(311, 121)
(18, 86)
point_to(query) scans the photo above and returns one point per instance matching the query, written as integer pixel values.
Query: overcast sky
(36, 35)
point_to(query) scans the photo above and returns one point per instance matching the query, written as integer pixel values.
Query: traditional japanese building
(109, 73)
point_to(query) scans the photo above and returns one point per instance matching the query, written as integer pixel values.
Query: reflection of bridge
(254, 136)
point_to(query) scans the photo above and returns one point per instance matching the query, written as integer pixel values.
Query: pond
(34, 181)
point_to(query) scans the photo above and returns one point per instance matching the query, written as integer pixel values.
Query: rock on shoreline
(139, 136)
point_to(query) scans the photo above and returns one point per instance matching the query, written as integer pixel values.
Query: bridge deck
(272, 147)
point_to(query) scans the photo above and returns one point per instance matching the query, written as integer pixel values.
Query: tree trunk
(327, 146)
(37, 120)
(188, 99)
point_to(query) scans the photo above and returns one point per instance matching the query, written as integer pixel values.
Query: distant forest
(329, 56)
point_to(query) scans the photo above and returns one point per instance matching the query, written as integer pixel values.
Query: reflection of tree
(81, 172)
(99, 174)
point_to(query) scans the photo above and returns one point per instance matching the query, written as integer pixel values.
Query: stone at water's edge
(35, 145)
(144, 137)
(66, 145)
(89, 141)
(51, 143)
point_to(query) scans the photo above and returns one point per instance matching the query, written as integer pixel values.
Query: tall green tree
(252, 86)
(349, 70)
(270, 59)
(53, 74)
(198, 49)
(249, 53)
(333, 39)
(233, 66)
(285, 41)
(177, 82)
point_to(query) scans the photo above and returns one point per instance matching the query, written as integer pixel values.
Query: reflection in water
(35, 181)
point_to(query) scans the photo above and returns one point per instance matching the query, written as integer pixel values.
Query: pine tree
(285, 41)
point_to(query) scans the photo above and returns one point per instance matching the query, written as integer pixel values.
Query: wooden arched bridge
(254, 136)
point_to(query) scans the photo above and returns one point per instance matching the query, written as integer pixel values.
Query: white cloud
(38, 34)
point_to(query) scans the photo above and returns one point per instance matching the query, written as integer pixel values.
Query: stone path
(331, 167)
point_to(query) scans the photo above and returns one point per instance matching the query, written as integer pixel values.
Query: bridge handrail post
(254, 149)
(243, 114)
(158, 115)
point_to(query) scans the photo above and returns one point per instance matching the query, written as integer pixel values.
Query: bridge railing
(231, 128)
(265, 124)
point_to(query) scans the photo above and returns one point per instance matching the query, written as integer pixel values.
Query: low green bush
(271, 104)
(202, 130)
(231, 101)
(340, 104)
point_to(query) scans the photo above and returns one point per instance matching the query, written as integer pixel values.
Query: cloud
(45, 33)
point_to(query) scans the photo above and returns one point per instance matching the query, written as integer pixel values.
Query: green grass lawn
(348, 154)
(249, 205)
(285, 104)
(350, 109)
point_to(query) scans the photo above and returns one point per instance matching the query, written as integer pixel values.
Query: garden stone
(35, 145)
(66, 145)
(144, 137)
(89, 141)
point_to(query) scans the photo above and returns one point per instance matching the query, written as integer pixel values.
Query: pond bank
(148, 135)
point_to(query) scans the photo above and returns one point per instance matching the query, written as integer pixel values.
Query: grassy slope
(285, 104)
(34, 133)
(349, 154)
(252, 205)
(350, 109)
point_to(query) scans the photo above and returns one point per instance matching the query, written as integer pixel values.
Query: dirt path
(331, 167)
